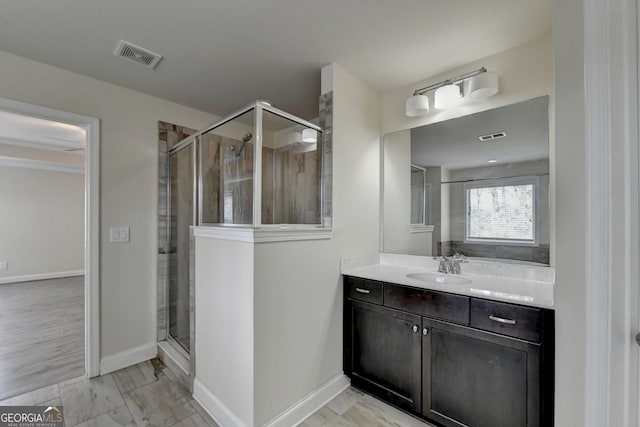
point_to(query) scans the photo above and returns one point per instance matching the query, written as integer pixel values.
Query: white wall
(224, 324)
(128, 174)
(297, 289)
(524, 72)
(41, 223)
(397, 236)
(571, 173)
(298, 293)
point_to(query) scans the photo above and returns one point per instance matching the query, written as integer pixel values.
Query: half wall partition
(257, 168)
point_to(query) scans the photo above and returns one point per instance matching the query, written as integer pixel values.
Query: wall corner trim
(309, 404)
(214, 407)
(128, 358)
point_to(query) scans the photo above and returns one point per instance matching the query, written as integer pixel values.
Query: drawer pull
(415, 328)
(501, 320)
(363, 291)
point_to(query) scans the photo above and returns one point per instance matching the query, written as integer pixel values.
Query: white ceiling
(220, 54)
(17, 129)
(454, 143)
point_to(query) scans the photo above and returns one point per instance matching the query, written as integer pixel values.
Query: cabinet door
(479, 379)
(385, 353)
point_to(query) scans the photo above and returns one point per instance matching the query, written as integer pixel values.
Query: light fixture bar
(454, 80)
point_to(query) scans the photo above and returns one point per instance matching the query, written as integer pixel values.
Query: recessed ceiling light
(492, 161)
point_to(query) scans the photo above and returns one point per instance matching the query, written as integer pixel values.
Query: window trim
(426, 188)
(504, 182)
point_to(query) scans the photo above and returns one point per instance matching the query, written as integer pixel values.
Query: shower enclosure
(259, 167)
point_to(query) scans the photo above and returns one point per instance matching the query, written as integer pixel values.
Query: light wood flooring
(354, 408)
(41, 328)
(149, 394)
(42, 333)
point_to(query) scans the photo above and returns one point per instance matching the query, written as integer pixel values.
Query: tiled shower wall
(326, 123)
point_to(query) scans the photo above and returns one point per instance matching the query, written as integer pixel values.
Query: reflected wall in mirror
(477, 185)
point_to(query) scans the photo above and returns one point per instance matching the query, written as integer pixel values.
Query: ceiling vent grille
(492, 136)
(137, 54)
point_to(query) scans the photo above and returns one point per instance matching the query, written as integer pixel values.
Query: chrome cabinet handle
(415, 328)
(363, 291)
(425, 331)
(501, 320)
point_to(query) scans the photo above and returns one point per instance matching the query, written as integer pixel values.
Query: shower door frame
(195, 186)
(258, 107)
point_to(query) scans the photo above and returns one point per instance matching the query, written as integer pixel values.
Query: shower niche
(260, 169)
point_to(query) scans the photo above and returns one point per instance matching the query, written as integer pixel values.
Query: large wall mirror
(477, 185)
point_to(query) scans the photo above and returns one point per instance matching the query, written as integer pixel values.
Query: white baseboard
(128, 358)
(302, 409)
(291, 417)
(182, 364)
(40, 276)
(214, 407)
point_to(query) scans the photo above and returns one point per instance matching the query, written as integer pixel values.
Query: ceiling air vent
(137, 54)
(492, 136)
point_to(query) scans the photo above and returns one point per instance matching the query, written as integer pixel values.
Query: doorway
(61, 152)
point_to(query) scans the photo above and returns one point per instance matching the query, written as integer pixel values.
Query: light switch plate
(119, 234)
(4, 265)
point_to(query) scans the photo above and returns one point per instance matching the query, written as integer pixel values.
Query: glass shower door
(182, 216)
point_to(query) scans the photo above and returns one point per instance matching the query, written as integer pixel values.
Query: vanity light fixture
(449, 93)
(417, 105)
(447, 96)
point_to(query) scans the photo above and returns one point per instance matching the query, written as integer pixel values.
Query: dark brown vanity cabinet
(452, 359)
(387, 353)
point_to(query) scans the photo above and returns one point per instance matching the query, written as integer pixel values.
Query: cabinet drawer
(364, 290)
(507, 319)
(437, 305)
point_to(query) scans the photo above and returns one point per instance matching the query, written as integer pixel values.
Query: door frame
(612, 185)
(91, 219)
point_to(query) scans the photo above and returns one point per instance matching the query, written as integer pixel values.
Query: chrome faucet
(445, 265)
(456, 260)
(451, 265)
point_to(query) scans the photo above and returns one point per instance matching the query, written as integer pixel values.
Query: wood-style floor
(42, 334)
(42, 354)
(353, 408)
(148, 394)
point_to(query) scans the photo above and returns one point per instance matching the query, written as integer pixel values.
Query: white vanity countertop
(526, 285)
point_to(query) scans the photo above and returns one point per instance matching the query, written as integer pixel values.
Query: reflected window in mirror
(502, 211)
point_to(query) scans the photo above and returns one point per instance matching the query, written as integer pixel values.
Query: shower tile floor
(149, 394)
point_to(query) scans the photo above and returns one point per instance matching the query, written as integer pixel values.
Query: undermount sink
(439, 278)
